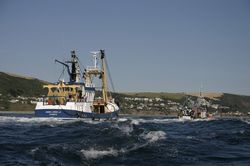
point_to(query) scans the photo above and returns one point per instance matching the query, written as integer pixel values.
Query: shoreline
(31, 113)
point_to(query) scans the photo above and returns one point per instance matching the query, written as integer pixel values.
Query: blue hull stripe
(63, 113)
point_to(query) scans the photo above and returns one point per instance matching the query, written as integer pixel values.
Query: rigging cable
(81, 66)
(62, 74)
(109, 75)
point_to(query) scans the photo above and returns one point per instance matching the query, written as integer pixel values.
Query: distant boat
(76, 98)
(194, 109)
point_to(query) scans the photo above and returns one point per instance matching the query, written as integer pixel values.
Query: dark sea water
(128, 141)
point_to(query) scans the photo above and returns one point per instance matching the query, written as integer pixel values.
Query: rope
(61, 74)
(81, 66)
(109, 75)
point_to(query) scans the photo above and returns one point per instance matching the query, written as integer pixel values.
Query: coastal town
(170, 107)
(135, 105)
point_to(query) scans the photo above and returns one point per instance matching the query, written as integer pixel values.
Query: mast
(75, 69)
(201, 88)
(74, 74)
(104, 80)
(94, 71)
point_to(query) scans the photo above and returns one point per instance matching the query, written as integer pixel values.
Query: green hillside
(236, 102)
(14, 86)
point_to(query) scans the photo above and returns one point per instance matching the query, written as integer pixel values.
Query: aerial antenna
(201, 88)
(95, 56)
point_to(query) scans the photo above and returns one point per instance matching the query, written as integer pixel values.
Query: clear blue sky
(152, 45)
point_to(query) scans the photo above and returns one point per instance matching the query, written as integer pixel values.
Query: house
(14, 101)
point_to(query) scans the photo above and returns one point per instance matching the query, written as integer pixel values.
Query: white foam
(190, 137)
(33, 151)
(246, 121)
(50, 121)
(242, 131)
(35, 121)
(94, 154)
(157, 121)
(122, 119)
(197, 120)
(97, 154)
(135, 122)
(164, 120)
(151, 137)
(90, 121)
(125, 128)
(154, 136)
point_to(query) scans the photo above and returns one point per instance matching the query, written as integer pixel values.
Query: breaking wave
(93, 153)
(247, 121)
(154, 136)
(150, 137)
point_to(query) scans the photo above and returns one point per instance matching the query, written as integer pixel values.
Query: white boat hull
(75, 110)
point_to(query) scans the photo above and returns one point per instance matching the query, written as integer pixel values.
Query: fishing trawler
(194, 109)
(76, 98)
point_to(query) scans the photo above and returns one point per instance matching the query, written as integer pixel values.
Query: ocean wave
(176, 120)
(36, 142)
(157, 121)
(153, 136)
(94, 154)
(137, 121)
(44, 121)
(90, 121)
(6, 119)
(126, 129)
(122, 119)
(34, 120)
(245, 121)
(150, 137)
